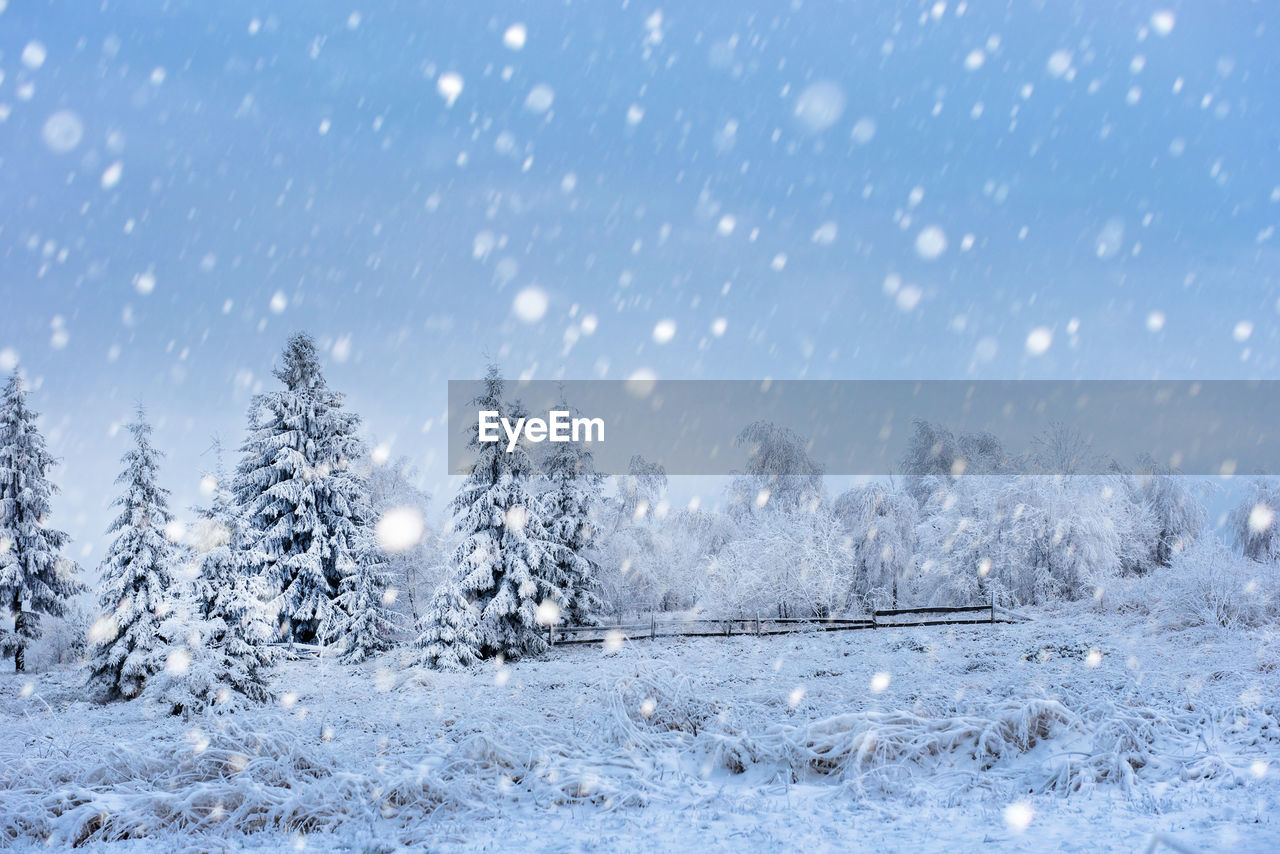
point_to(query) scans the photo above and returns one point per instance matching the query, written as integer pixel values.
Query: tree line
(291, 548)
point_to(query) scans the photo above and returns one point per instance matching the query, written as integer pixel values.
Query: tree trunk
(19, 639)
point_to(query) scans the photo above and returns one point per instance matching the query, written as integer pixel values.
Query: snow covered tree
(779, 476)
(572, 493)
(137, 578)
(501, 565)
(1177, 515)
(632, 572)
(412, 552)
(451, 639)
(1253, 521)
(34, 579)
(786, 565)
(1025, 540)
(366, 625)
(660, 563)
(307, 511)
(640, 490)
(880, 522)
(936, 457)
(229, 618)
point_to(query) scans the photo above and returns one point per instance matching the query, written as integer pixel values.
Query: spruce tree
(451, 639)
(307, 511)
(572, 493)
(137, 578)
(502, 566)
(232, 619)
(366, 624)
(34, 579)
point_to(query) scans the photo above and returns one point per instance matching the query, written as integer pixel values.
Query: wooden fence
(962, 615)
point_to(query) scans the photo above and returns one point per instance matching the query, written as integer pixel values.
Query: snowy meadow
(305, 666)
(625, 426)
(1083, 730)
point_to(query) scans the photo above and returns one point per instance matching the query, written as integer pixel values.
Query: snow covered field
(1078, 731)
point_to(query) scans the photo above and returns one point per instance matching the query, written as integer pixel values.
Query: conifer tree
(366, 624)
(572, 493)
(34, 579)
(451, 639)
(137, 578)
(307, 511)
(227, 603)
(502, 566)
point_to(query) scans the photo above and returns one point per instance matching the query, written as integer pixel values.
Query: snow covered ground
(1078, 731)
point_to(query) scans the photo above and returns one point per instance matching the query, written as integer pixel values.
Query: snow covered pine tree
(34, 580)
(231, 617)
(307, 511)
(500, 566)
(137, 577)
(451, 637)
(572, 493)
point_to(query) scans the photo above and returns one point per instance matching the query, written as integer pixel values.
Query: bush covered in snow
(1253, 521)
(784, 565)
(1211, 585)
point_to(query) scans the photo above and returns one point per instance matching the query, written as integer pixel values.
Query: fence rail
(888, 618)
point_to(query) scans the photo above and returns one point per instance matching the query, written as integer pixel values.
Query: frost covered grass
(1085, 729)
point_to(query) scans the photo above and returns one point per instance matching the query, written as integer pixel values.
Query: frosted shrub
(786, 565)
(1024, 540)
(1253, 522)
(1210, 585)
(881, 526)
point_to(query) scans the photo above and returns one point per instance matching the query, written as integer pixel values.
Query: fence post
(757, 625)
(653, 627)
(993, 605)
(551, 638)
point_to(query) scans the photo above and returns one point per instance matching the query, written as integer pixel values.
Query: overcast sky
(712, 190)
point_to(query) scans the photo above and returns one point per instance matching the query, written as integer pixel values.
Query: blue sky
(240, 174)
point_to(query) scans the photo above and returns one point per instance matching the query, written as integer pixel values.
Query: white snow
(530, 304)
(515, 36)
(111, 175)
(931, 242)
(1059, 63)
(1039, 340)
(449, 85)
(1162, 21)
(540, 98)
(62, 131)
(399, 529)
(825, 234)
(34, 55)
(1031, 737)
(820, 106)
(864, 130)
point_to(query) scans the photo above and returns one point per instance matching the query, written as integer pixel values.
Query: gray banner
(866, 427)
